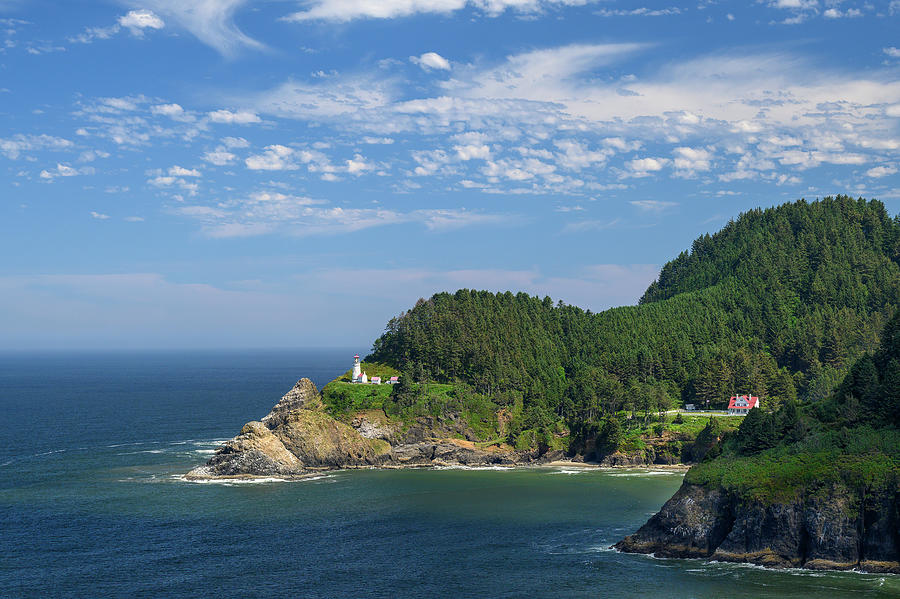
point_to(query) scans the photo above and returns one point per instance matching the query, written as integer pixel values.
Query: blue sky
(231, 173)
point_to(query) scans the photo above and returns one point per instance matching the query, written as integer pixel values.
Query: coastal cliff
(833, 528)
(298, 437)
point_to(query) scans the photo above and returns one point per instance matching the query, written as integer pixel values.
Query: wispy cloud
(266, 212)
(135, 21)
(341, 10)
(210, 21)
(19, 144)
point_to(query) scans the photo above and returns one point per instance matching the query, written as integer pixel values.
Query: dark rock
(690, 524)
(833, 528)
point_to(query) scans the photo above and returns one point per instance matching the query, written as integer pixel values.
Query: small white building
(375, 380)
(394, 380)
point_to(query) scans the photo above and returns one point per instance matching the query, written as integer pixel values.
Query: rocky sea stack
(298, 437)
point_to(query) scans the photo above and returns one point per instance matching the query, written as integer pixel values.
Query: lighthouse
(355, 376)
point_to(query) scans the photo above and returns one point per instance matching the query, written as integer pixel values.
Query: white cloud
(638, 12)
(473, 152)
(358, 165)
(643, 167)
(354, 96)
(138, 20)
(242, 117)
(219, 157)
(162, 181)
(99, 215)
(13, 147)
(881, 171)
(265, 212)
(92, 155)
(275, 158)
(170, 110)
(180, 171)
(691, 160)
(342, 10)
(64, 170)
(431, 60)
(211, 21)
(95, 33)
(836, 13)
(235, 142)
(652, 205)
(892, 52)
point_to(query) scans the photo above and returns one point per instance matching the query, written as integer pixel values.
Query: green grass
(341, 397)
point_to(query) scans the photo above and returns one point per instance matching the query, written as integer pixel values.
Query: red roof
(356, 356)
(743, 402)
(395, 378)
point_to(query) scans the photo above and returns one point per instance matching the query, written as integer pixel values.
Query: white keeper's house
(742, 404)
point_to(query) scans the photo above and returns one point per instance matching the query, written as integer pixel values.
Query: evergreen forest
(780, 303)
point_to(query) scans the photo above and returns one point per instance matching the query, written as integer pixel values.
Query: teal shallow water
(92, 504)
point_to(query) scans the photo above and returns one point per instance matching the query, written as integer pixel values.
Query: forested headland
(779, 303)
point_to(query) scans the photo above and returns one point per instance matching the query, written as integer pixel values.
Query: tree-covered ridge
(779, 303)
(849, 438)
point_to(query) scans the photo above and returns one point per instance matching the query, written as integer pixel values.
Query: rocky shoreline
(833, 529)
(298, 439)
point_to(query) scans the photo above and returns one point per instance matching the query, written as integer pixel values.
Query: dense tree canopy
(778, 303)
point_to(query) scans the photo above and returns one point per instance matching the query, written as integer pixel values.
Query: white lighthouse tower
(356, 372)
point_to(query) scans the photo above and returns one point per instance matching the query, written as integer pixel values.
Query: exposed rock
(298, 437)
(834, 528)
(375, 426)
(620, 459)
(256, 451)
(322, 442)
(690, 524)
(303, 395)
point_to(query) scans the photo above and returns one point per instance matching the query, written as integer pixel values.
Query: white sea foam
(568, 471)
(641, 473)
(464, 467)
(262, 480)
(142, 451)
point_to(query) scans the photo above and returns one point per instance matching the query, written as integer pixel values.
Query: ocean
(93, 503)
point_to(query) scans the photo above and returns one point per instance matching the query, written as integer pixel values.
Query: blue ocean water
(92, 503)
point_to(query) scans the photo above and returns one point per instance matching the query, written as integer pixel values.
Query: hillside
(779, 303)
(816, 487)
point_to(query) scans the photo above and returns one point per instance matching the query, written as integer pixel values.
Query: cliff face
(833, 528)
(298, 437)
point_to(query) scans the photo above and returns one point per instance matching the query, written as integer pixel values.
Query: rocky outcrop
(298, 437)
(832, 528)
(690, 524)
